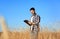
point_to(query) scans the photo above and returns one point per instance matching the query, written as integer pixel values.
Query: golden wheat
(26, 35)
(5, 34)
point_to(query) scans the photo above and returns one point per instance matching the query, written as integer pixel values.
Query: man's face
(32, 11)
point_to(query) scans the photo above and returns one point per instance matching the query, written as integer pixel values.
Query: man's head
(32, 10)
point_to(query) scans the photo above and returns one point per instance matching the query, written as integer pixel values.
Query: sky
(16, 11)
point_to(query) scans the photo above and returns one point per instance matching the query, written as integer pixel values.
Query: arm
(33, 23)
(37, 20)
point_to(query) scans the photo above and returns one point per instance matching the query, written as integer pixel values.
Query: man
(34, 24)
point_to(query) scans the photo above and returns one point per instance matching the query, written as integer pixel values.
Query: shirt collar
(34, 14)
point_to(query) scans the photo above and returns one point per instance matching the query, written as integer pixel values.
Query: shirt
(35, 19)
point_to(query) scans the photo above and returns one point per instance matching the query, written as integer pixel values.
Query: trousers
(34, 34)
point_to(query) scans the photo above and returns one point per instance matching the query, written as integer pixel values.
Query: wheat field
(26, 35)
(7, 34)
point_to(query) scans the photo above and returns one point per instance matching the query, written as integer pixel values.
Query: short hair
(32, 9)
